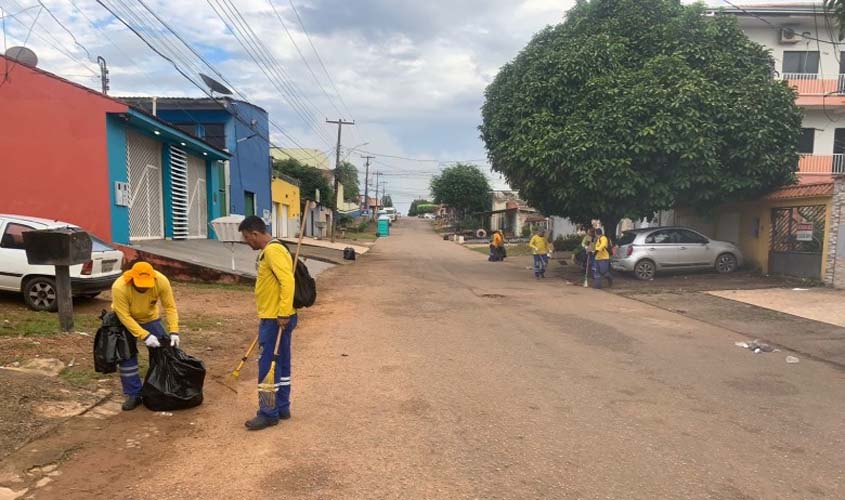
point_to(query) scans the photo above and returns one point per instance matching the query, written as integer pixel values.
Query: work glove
(174, 340)
(152, 341)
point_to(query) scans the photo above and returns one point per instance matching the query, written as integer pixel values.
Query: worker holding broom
(274, 292)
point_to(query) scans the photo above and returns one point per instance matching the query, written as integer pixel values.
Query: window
(249, 203)
(665, 236)
(801, 62)
(627, 238)
(188, 128)
(839, 141)
(214, 134)
(807, 141)
(13, 236)
(691, 237)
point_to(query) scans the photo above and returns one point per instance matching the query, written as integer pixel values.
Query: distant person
(497, 245)
(601, 265)
(274, 290)
(540, 248)
(136, 297)
(587, 244)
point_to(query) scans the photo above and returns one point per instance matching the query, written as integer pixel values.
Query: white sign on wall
(122, 195)
(267, 216)
(804, 232)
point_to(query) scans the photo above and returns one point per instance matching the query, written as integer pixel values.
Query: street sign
(804, 232)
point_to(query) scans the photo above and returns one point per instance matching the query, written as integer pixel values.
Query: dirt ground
(425, 371)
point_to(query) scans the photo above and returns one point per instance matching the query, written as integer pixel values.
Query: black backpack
(305, 288)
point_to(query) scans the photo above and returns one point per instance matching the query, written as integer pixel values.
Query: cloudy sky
(410, 73)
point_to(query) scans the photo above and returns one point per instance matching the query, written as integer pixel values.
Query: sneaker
(260, 422)
(131, 403)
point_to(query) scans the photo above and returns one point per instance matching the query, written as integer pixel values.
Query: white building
(804, 43)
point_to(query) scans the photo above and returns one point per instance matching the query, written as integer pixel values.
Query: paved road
(427, 372)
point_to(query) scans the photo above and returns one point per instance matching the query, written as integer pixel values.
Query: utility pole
(104, 74)
(376, 175)
(367, 181)
(340, 122)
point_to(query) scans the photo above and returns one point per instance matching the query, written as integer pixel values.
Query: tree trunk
(611, 223)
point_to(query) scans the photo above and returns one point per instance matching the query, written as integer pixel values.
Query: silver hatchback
(648, 251)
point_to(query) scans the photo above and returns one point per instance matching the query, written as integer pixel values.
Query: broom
(231, 381)
(267, 387)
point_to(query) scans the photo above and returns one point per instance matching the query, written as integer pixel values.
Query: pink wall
(53, 160)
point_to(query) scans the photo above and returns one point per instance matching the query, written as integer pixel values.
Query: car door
(663, 247)
(13, 263)
(694, 249)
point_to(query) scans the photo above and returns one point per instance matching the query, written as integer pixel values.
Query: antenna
(215, 86)
(22, 55)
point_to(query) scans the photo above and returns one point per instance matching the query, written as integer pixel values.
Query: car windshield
(627, 238)
(97, 245)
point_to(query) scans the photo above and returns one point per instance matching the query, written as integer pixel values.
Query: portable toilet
(383, 226)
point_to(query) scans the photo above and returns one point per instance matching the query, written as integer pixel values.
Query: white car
(391, 212)
(38, 283)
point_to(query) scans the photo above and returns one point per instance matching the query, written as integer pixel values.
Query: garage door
(197, 199)
(143, 160)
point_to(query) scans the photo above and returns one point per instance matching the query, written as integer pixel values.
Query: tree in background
(347, 174)
(463, 187)
(837, 8)
(632, 106)
(414, 210)
(311, 179)
(387, 201)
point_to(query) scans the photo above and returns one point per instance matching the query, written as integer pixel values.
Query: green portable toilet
(383, 226)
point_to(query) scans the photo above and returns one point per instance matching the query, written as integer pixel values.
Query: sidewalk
(327, 244)
(819, 304)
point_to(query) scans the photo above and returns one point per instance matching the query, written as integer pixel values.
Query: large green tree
(463, 187)
(347, 174)
(837, 8)
(414, 210)
(633, 106)
(311, 179)
(387, 201)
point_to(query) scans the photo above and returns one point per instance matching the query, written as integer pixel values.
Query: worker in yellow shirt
(136, 297)
(541, 248)
(496, 246)
(274, 289)
(601, 260)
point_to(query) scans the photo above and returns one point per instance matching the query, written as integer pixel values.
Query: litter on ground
(756, 346)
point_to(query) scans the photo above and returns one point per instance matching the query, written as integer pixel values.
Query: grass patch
(200, 322)
(79, 377)
(19, 321)
(233, 287)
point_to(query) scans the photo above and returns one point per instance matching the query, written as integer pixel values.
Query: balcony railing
(813, 84)
(821, 165)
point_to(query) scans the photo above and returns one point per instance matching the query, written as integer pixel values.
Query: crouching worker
(274, 290)
(136, 297)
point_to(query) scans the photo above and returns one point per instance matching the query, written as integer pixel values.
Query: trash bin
(383, 226)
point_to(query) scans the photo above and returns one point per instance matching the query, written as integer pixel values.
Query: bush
(568, 243)
(362, 227)
(526, 231)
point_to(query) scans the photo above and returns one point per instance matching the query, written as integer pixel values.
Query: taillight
(630, 251)
(87, 267)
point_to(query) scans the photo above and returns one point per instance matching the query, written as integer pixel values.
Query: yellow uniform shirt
(134, 308)
(539, 245)
(274, 285)
(602, 252)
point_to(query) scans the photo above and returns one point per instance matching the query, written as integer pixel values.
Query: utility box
(383, 228)
(57, 247)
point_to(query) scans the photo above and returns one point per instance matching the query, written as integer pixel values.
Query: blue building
(238, 127)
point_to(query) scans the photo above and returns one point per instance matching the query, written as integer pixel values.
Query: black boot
(131, 403)
(260, 422)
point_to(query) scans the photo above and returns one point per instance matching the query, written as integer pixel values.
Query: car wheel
(725, 263)
(40, 294)
(644, 270)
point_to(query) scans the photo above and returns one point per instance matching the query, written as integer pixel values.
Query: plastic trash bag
(112, 344)
(174, 380)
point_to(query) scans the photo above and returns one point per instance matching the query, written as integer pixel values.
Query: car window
(98, 245)
(627, 239)
(691, 237)
(13, 236)
(664, 236)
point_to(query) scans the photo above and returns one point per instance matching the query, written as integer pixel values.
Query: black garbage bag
(112, 344)
(174, 380)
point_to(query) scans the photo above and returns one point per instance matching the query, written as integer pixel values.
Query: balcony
(818, 168)
(816, 90)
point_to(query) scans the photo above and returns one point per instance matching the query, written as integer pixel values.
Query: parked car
(38, 283)
(392, 213)
(646, 252)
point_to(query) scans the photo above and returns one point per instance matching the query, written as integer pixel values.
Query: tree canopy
(311, 179)
(387, 201)
(417, 207)
(463, 187)
(632, 106)
(347, 174)
(837, 8)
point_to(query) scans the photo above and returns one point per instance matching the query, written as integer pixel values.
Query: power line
(422, 160)
(8, 72)
(774, 26)
(69, 32)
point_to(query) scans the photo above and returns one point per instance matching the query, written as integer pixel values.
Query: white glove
(152, 341)
(174, 340)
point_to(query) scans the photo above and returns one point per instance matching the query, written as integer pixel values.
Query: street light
(350, 150)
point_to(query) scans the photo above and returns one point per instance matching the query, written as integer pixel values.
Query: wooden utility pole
(367, 181)
(376, 175)
(340, 123)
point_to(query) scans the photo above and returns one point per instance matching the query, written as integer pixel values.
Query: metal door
(143, 162)
(663, 248)
(694, 249)
(283, 222)
(797, 241)
(197, 199)
(179, 192)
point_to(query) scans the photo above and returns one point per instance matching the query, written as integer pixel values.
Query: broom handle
(278, 343)
(248, 352)
(301, 231)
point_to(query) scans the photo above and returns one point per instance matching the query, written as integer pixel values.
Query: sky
(411, 74)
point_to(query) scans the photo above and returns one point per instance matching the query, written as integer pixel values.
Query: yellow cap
(142, 275)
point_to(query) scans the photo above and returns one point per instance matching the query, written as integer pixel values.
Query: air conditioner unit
(788, 35)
